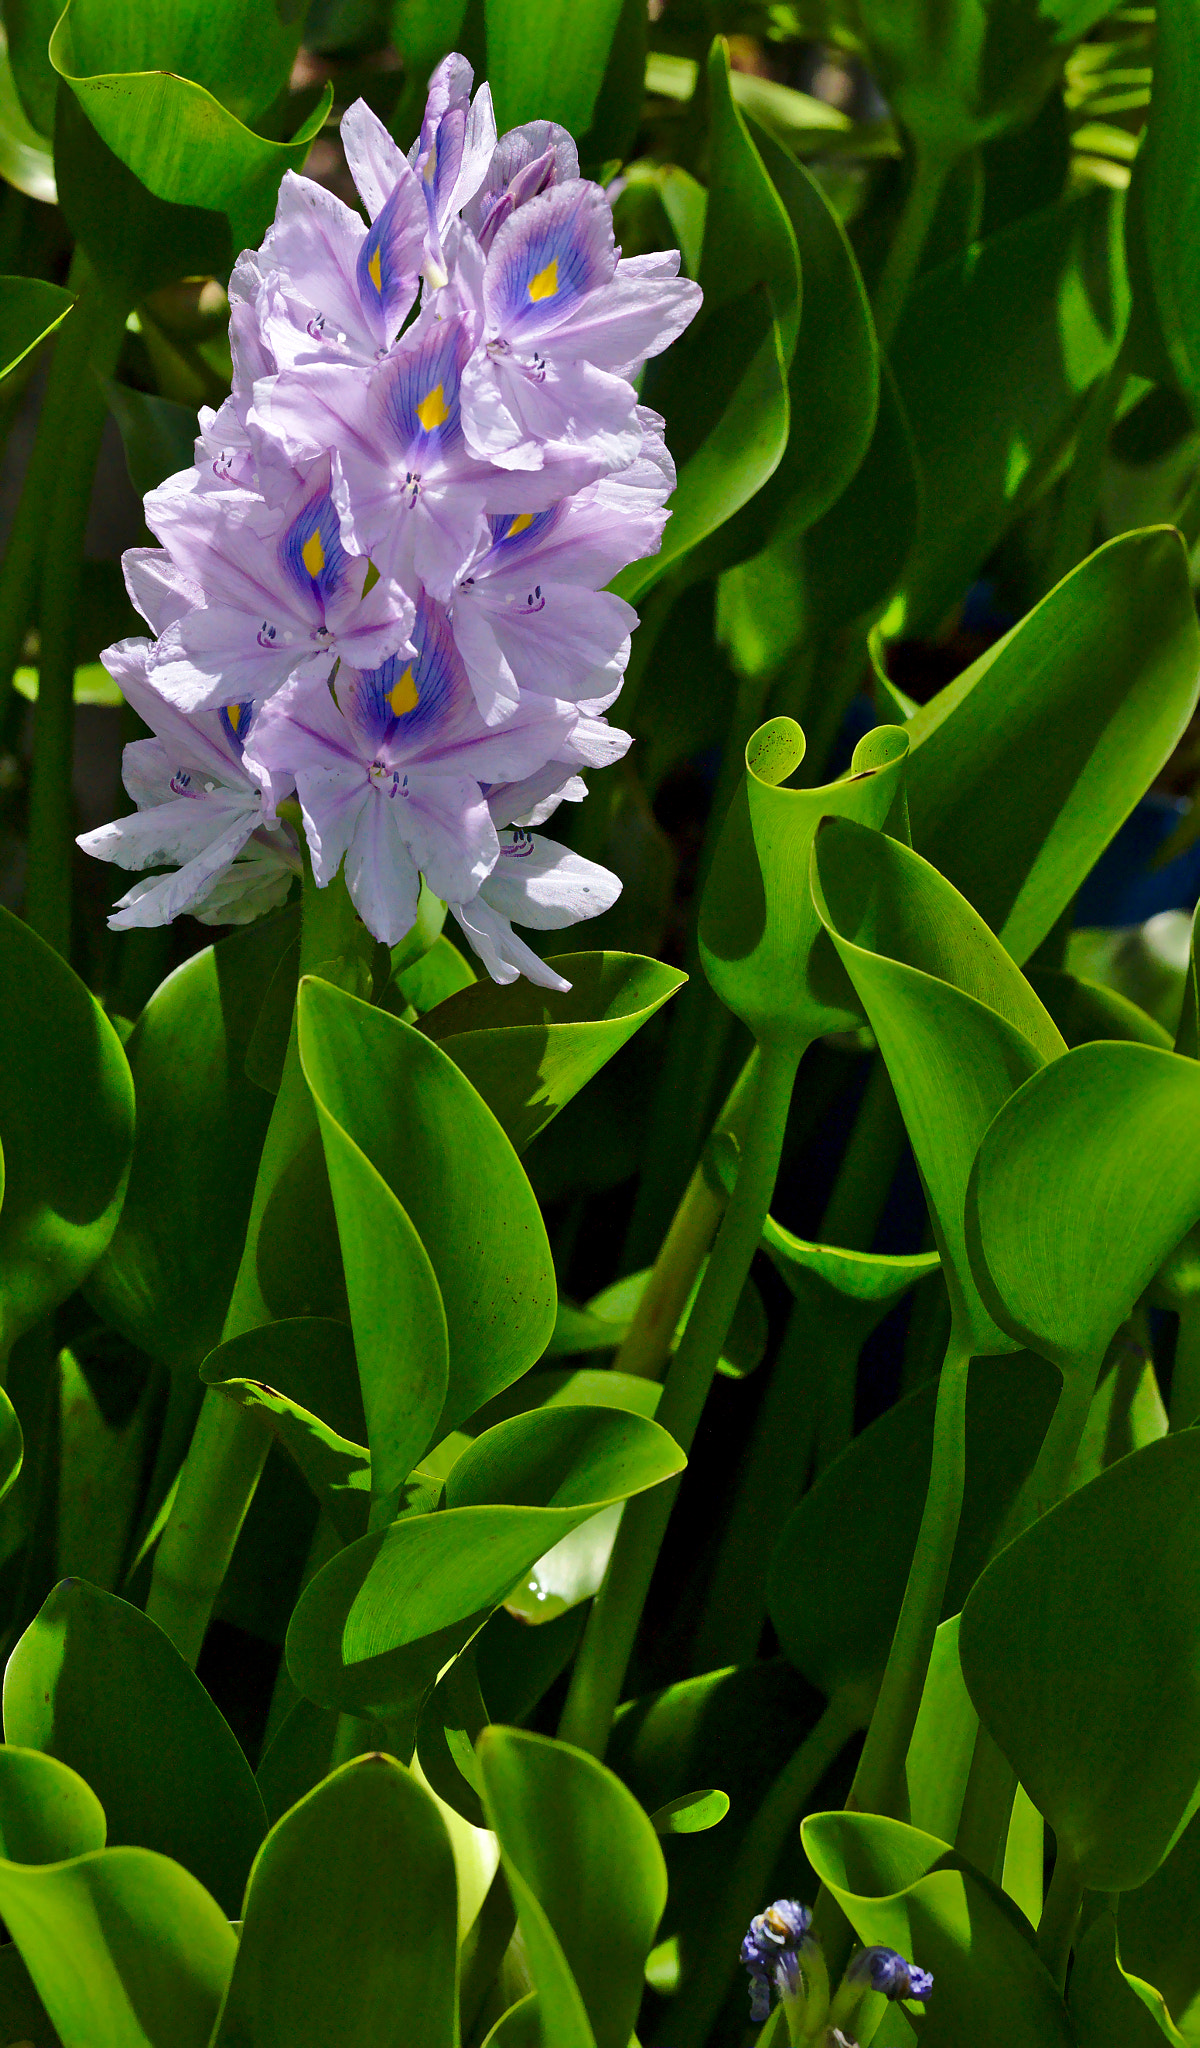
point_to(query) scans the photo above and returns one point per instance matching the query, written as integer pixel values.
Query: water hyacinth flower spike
(771, 1952)
(883, 1969)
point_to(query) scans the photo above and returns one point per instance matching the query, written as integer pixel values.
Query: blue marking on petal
(420, 394)
(235, 723)
(406, 701)
(550, 260)
(515, 532)
(311, 551)
(383, 283)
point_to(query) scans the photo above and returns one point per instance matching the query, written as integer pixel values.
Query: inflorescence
(784, 1957)
(380, 585)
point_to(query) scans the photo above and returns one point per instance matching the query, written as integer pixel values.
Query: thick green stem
(647, 1343)
(879, 1783)
(613, 1624)
(693, 2014)
(229, 1449)
(1047, 1482)
(774, 1469)
(88, 351)
(1060, 1917)
(929, 174)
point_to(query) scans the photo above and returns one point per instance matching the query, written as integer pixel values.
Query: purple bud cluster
(380, 587)
(775, 1950)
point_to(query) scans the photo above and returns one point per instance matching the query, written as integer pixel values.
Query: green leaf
(1085, 1010)
(738, 350)
(693, 1813)
(1023, 767)
(529, 1050)
(992, 357)
(840, 1564)
(748, 237)
(957, 1023)
(942, 1748)
(854, 557)
(12, 1444)
(555, 73)
(125, 1948)
(29, 25)
(29, 310)
(47, 1813)
(908, 1891)
(166, 1279)
(26, 159)
(1036, 1646)
(169, 96)
(300, 1373)
(23, 2017)
(408, 1108)
(1086, 1181)
(63, 1074)
(760, 937)
(1158, 1927)
(566, 1825)
(957, 80)
(350, 1931)
(379, 1621)
(93, 1682)
(833, 382)
(433, 979)
(872, 1279)
(1168, 181)
(158, 436)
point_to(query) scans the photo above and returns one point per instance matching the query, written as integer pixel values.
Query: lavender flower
(381, 583)
(771, 1952)
(883, 1969)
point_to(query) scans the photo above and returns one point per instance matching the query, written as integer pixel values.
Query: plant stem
(230, 1445)
(1060, 1917)
(1047, 1482)
(929, 174)
(77, 408)
(613, 1624)
(783, 1806)
(879, 1785)
(647, 1343)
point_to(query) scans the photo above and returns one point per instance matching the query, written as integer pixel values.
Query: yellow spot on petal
(375, 270)
(519, 524)
(234, 715)
(403, 696)
(545, 284)
(433, 410)
(312, 554)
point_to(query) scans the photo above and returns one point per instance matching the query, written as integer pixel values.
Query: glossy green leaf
(1036, 1646)
(95, 1683)
(833, 381)
(1025, 765)
(1169, 189)
(410, 1111)
(23, 2017)
(1085, 1010)
(876, 1279)
(1086, 1181)
(29, 25)
(748, 237)
(394, 1298)
(723, 387)
(529, 1050)
(566, 1826)
(1112, 2007)
(170, 99)
(433, 979)
(693, 1813)
(957, 1023)
(909, 1891)
(555, 73)
(840, 1564)
(158, 436)
(47, 1812)
(29, 310)
(300, 1373)
(133, 241)
(942, 1748)
(853, 558)
(1157, 1928)
(125, 1948)
(350, 1929)
(992, 357)
(166, 1279)
(378, 1622)
(26, 159)
(63, 1073)
(12, 1446)
(760, 937)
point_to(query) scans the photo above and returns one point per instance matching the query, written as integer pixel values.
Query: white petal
(380, 873)
(503, 954)
(545, 886)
